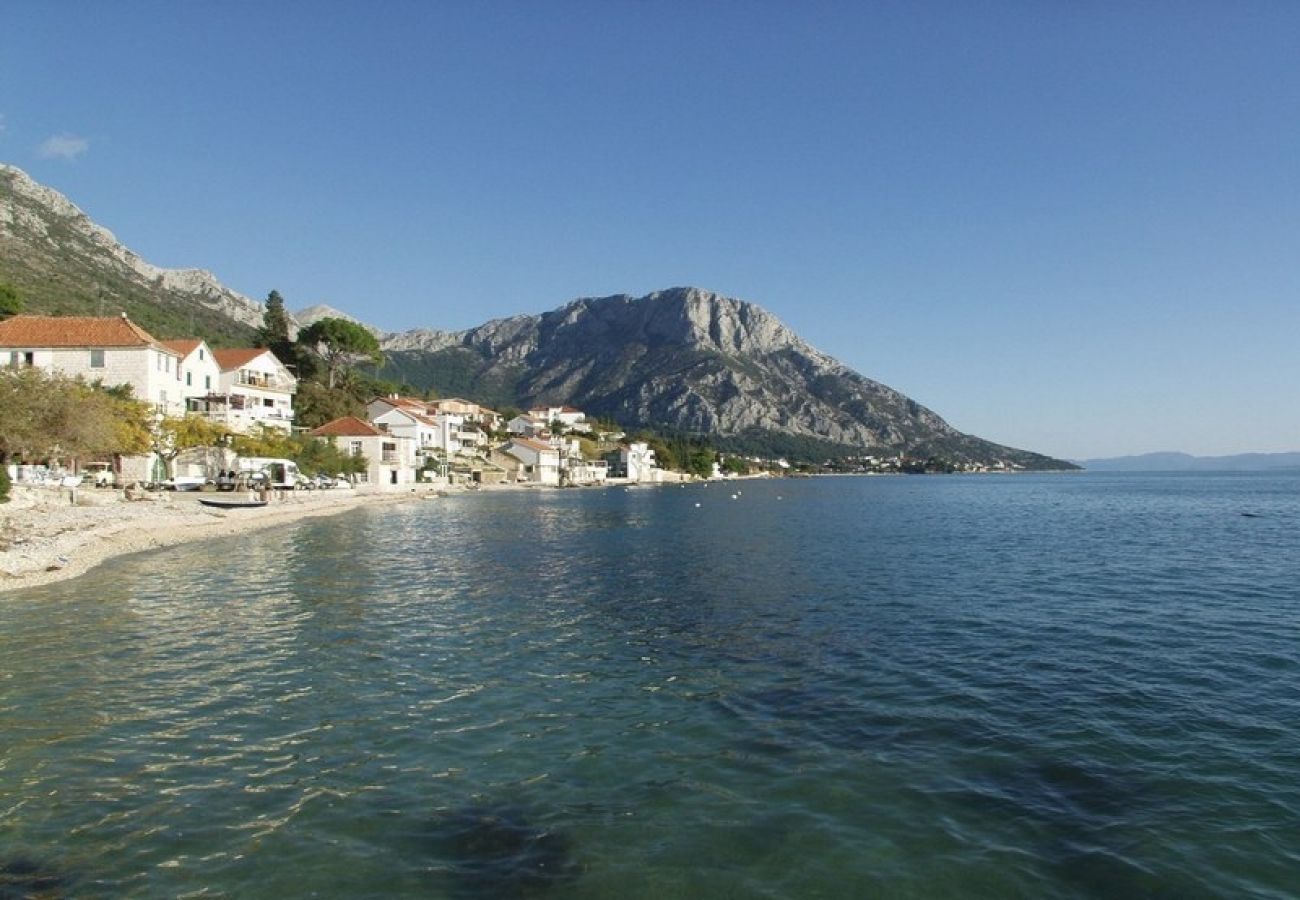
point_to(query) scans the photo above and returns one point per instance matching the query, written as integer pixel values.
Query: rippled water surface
(1033, 686)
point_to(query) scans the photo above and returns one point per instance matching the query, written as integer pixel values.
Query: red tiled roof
(183, 347)
(348, 426)
(233, 359)
(75, 331)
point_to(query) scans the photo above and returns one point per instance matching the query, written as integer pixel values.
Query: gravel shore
(44, 537)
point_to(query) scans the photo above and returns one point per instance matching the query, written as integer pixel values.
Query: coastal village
(401, 442)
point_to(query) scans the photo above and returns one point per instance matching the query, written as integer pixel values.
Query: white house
(572, 419)
(391, 458)
(539, 462)
(527, 426)
(401, 420)
(585, 471)
(112, 350)
(200, 376)
(472, 412)
(254, 388)
(634, 461)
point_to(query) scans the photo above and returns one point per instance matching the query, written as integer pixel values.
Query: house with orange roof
(112, 350)
(448, 427)
(539, 462)
(200, 374)
(253, 388)
(391, 458)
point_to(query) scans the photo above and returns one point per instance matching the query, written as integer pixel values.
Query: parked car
(100, 474)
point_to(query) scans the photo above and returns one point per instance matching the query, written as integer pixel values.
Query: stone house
(113, 350)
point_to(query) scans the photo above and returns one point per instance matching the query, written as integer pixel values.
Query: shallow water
(1030, 686)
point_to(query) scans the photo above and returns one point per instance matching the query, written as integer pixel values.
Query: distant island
(1185, 462)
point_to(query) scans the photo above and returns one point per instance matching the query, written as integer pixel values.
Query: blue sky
(1070, 227)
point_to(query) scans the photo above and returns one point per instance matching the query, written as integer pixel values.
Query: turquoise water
(1029, 686)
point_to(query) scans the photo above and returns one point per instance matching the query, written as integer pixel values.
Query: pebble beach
(45, 536)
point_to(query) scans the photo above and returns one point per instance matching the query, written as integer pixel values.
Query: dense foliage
(45, 415)
(10, 303)
(338, 346)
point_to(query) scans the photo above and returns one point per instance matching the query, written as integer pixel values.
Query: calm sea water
(1030, 686)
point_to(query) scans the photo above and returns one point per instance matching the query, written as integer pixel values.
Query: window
(200, 354)
(355, 448)
(388, 453)
(189, 379)
(266, 402)
(97, 359)
(207, 382)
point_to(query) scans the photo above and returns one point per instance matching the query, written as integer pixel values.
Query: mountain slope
(686, 360)
(62, 263)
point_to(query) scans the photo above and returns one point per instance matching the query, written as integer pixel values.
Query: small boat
(230, 503)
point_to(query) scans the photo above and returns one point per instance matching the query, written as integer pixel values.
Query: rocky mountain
(688, 361)
(311, 314)
(63, 263)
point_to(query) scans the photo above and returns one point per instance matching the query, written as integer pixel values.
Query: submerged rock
(499, 852)
(26, 879)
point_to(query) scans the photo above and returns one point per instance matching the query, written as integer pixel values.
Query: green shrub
(4, 483)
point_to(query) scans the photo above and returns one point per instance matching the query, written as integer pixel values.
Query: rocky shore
(46, 537)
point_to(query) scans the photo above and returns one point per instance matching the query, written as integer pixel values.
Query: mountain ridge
(63, 263)
(1176, 461)
(691, 361)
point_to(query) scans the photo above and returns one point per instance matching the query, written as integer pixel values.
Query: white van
(276, 473)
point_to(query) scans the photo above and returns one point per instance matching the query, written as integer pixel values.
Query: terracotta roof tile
(348, 426)
(75, 331)
(233, 359)
(183, 347)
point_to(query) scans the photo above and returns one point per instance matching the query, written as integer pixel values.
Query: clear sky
(1072, 227)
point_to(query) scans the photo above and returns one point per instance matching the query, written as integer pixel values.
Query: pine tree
(275, 323)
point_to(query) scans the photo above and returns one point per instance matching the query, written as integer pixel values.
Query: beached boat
(230, 503)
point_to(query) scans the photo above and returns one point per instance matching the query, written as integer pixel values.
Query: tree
(340, 346)
(275, 322)
(10, 303)
(274, 333)
(44, 414)
(170, 436)
(315, 404)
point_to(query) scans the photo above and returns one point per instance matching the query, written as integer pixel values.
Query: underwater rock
(499, 852)
(25, 879)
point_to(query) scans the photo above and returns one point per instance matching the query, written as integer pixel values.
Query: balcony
(263, 381)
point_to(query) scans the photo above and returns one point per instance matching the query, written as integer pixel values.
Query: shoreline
(45, 538)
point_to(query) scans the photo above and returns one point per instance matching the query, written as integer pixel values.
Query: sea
(1038, 685)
